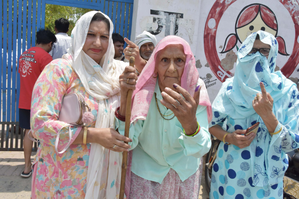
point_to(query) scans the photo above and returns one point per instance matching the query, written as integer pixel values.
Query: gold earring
(155, 75)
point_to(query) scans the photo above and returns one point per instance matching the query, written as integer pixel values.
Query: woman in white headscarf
(67, 165)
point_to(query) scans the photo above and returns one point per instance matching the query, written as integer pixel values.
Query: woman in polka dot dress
(253, 165)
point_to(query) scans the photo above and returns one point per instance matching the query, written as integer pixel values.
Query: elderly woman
(169, 124)
(253, 165)
(67, 165)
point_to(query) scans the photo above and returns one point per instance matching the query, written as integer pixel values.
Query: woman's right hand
(108, 138)
(239, 138)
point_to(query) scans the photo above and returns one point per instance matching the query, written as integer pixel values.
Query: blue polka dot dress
(255, 171)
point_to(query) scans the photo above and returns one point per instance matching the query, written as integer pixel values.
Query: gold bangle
(276, 132)
(84, 135)
(225, 137)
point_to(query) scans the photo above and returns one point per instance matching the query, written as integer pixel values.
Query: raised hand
(263, 102)
(183, 106)
(263, 105)
(133, 50)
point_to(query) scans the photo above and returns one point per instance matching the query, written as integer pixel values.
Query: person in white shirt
(63, 40)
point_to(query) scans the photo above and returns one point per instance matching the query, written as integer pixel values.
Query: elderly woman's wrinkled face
(170, 63)
(97, 40)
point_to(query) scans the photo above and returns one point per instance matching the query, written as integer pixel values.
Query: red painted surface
(211, 53)
(281, 45)
(247, 15)
(293, 60)
(230, 43)
(210, 49)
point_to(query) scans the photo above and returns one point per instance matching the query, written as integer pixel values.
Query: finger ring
(128, 80)
(114, 146)
(257, 98)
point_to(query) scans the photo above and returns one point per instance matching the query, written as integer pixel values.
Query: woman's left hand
(263, 102)
(183, 106)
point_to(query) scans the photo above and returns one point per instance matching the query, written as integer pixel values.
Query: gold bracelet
(84, 135)
(225, 137)
(276, 132)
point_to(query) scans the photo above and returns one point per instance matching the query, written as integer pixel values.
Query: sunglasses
(263, 51)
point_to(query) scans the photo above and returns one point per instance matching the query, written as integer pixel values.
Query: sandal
(26, 175)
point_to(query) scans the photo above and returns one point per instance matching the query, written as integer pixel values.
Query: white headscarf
(101, 82)
(145, 37)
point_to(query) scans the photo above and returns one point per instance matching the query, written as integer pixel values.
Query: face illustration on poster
(225, 30)
(216, 29)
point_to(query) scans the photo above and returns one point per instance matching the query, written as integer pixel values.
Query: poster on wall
(216, 29)
(171, 17)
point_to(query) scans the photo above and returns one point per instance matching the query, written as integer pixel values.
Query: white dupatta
(101, 82)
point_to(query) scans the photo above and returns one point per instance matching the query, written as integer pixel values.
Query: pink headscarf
(145, 86)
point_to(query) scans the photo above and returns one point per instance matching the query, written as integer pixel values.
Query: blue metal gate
(20, 21)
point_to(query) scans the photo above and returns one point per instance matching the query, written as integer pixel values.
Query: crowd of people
(172, 118)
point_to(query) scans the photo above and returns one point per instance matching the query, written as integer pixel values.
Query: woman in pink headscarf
(169, 124)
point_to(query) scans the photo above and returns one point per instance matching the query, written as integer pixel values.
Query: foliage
(54, 12)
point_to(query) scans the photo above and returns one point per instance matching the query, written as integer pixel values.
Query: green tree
(54, 12)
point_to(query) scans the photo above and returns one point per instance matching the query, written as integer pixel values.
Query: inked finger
(263, 89)
(196, 95)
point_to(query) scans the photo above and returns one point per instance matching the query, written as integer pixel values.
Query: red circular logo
(212, 22)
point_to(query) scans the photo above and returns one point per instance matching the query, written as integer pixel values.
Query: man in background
(141, 50)
(31, 64)
(146, 43)
(118, 42)
(63, 40)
